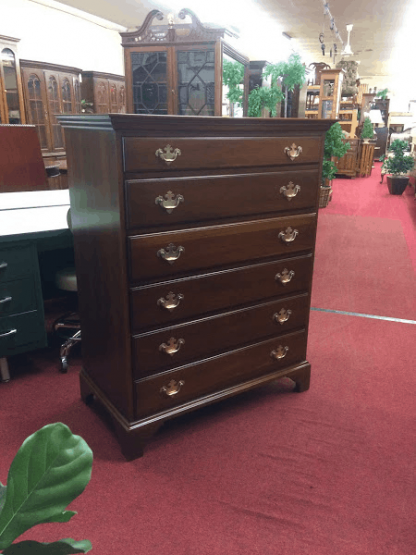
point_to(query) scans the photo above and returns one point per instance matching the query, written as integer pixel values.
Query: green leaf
(50, 470)
(61, 547)
(63, 517)
(3, 490)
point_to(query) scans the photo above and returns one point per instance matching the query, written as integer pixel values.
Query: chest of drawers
(194, 242)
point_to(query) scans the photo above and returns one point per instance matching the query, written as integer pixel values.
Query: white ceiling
(381, 38)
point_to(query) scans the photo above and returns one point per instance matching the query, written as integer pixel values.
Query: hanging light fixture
(347, 48)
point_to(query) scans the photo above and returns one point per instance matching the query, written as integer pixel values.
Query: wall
(50, 35)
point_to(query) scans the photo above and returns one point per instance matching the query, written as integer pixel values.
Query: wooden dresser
(194, 242)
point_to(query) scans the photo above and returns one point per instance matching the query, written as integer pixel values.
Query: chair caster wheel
(64, 365)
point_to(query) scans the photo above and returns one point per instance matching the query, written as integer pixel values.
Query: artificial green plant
(367, 130)
(383, 94)
(232, 77)
(289, 73)
(334, 147)
(51, 468)
(400, 163)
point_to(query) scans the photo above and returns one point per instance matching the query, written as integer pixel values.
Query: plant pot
(366, 141)
(397, 185)
(325, 195)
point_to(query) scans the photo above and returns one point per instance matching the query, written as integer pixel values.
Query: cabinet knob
(168, 154)
(171, 301)
(171, 253)
(10, 332)
(289, 235)
(172, 388)
(293, 152)
(3, 265)
(5, 300)
(290, 190)
(284, 277)
(170, 202)
(172, 346)
(282, 316)
(279, 353)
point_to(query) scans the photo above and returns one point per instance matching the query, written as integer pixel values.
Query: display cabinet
(103, 92)
(11, 94)
(177, 68)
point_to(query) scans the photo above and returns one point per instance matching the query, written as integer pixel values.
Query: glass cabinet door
(196, 82)
(66, 90)
(12, 111)
(54, 102)
(77, 95)
(150, 82)
(36, 104)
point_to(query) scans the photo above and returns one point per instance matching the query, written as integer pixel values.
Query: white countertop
(34, 199)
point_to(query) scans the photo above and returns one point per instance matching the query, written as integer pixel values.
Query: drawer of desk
(190, 382)
(16, 262)
(17, 296)
(166, 303)
(18, 331)
(201, 153)
(209, 247)
(158, 202)
(174, 346)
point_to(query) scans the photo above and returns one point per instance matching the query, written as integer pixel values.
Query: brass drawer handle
(289, 235)
(169, 155)
(5, 300)
(11, 332)
(279, 353)
(290, 190)
(172, 388)
(171, 253)
(282, 316)
(172, 346)
(293, 152)
(170, 202)
(171, 301)
(3, 265)
(285, 277)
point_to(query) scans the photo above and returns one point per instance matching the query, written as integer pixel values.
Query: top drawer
(158, 154)
(16, 262)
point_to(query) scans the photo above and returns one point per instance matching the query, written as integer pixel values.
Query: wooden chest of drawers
(194, 242)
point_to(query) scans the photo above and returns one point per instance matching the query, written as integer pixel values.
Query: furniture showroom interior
(207, 277)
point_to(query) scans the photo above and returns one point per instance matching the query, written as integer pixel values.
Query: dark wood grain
(220, 196)
(214, 246)
(206, 294)
(210, 336)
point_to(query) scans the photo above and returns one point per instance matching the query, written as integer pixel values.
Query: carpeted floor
(329, 471)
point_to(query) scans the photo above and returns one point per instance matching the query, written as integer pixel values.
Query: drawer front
(16, 332)
(16, 262)
(188, 383)
(175, 346)
(201, 153)
(210, 247)
(17, 296)
(159, 202)
(167, 303)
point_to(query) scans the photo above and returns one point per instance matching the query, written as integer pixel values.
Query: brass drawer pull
(11, 332)
(169, 155)
(289, 235)
(172, 388)
(170, 202)
(5, 300)
(280, 352)
(290, 190)
(172, 346)
(285, 277)
(282, 316)
(3, 265)
(171, 253)
(293, 152)
(171, 301)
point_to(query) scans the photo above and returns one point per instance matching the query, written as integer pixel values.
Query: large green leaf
(3, 490)
(50, 470)
(62, 547)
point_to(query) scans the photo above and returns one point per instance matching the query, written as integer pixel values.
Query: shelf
(312, 111)
(314, 88)
(347, 111)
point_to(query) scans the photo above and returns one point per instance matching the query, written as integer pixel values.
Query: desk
(30, 222)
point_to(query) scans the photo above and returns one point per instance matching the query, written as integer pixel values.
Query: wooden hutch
(103, 92)
(11, 94)
(177, 68)
(324, 95)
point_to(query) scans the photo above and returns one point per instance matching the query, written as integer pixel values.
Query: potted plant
(383, 94)
(367, 131)
(232, 77)
(288, 74)
(398, 166)
(334, 148)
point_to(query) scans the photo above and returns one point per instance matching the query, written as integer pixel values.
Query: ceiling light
(347, 48)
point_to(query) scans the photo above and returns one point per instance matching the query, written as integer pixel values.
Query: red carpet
(329, 471)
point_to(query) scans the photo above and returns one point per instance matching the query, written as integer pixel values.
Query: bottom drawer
(190, 382)
(17, 332)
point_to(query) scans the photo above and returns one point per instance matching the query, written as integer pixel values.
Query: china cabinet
(323, 98)
(177, 68)
(11, 95)
(103, 92)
